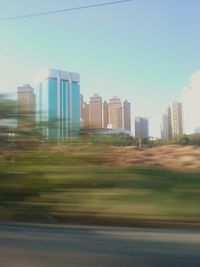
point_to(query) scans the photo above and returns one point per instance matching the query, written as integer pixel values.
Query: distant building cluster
(183, 118)
(114, 114)
(57, 103)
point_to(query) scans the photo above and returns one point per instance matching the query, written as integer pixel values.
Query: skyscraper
(141, 127)
(126, 115)
(95, 116)
(81, 107)
(26, 99)
(166, 131)
(105, 114)
(58, 103)
(176, 119)
(115, 113)
(26, 106)
(86, 114)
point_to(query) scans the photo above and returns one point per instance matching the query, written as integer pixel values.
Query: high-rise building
(26, 106)
(126, 115)
(58, 103)
(112, 114)
(26, 99)
(166, 131)
(81, 106)
(172, 125)
(95, 116)
(141, 127)
(191, 106)
(115, 113)
(105, 114)
(176, 119)
(86, 114)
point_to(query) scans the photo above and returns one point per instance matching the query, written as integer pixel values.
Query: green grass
(59, 185)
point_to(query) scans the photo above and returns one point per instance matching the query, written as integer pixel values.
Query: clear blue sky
(143, 51)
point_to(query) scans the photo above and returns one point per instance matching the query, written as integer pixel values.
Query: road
(23, 245)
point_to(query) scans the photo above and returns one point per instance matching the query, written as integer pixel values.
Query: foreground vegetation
(103, 180)
(83, 184)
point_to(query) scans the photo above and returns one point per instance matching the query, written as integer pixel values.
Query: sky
(143, 51)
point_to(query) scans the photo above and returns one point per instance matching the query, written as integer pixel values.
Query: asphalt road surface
(51, 246)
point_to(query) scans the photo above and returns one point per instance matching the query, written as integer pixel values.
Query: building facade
(26, 99)
(141, 127)
(172, 122)
(95, 115)
(26, 106)
(105, 114)
(81, 107)
(166, 128)
(86, 115)
(58, 103)
(176, 119)
(115, 113)
(126, 115)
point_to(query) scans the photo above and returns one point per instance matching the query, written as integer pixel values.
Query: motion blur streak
(31, 246)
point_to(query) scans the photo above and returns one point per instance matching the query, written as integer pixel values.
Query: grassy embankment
(83, 184)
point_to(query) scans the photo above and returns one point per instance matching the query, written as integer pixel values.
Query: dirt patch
(182, 158)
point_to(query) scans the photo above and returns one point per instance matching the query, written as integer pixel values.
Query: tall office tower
(26, 99)
(81, 106)
(141, 127)
(105, 114)
(95, 111)
(58, 103)
(86, 113)
(191, 106)
(176, 119)
(115, 113)
(126, 115)
(166, 132)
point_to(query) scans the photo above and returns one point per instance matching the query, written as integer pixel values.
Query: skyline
(147, 61)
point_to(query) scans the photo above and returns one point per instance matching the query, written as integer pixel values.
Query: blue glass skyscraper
(58, 104)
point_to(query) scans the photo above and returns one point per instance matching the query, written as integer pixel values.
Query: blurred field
(173, 157)
(83, 183)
